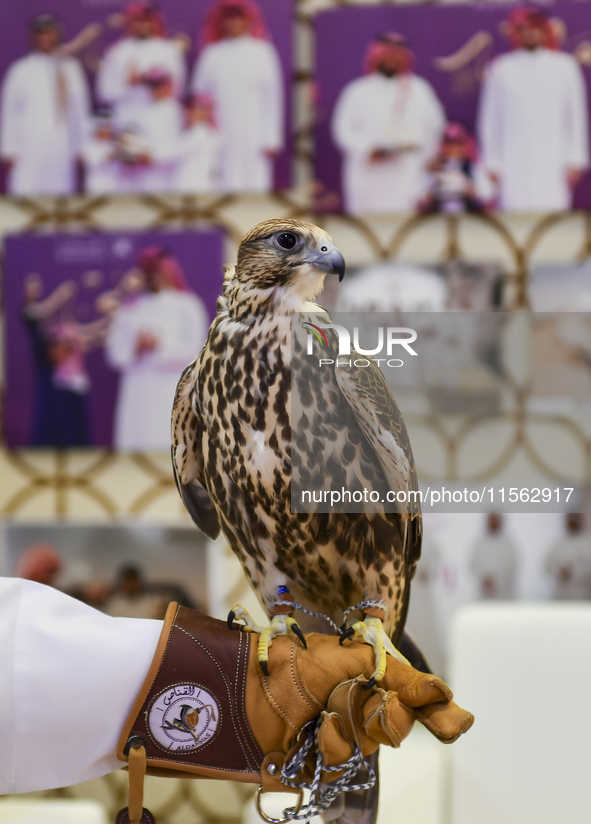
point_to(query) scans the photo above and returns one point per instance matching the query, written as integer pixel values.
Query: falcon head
(288, 254)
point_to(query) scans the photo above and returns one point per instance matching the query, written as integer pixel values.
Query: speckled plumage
(232, 433)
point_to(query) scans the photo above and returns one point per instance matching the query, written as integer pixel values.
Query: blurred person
(145, 150)
(459, 182)
(568, 562)
(388, 125)
(41, 563)
(494, 562)
(424, 622)
(393, 287)
(153, 336)
(239, 69)
(131, 598)
(198, 148)
(59, 413)
(98, 155)
(44, 112)
(533, 119)
(124, 79)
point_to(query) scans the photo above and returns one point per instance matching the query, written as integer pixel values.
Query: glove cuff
(190, 714)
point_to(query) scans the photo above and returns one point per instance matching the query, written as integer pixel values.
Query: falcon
(232, 449)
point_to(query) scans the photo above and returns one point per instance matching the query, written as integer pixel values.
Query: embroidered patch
(183, 718)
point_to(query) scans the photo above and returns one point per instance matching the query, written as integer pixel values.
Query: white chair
(524, 670)
(51, 811)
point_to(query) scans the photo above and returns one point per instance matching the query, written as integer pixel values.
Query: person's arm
(79, 107)
(433, 123)
(68, 679)
(202, 80)
(120, 345)
(576, 124)
(347, 127)
(10, 136)
(183, 335)
(490, 122)
(274, 109)
(111, 82)
(179, 71)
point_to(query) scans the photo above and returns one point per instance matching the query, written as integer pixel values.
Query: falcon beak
(331, 261)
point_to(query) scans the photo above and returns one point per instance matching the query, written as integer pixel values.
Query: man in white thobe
(494, 562)
(388, 125)
(143, 77)
(533, 119)
(100, 167)
(240, 70)
(568, 562)
(198, 148)
(152, 338)
(44, 115)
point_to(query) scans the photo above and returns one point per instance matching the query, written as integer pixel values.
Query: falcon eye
(287, 240)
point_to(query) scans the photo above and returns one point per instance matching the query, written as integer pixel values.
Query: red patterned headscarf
(457, 133)
(531, 16)
(145, 10)
(385, 44)
(154, 259)
(41, 563)
(213, 30)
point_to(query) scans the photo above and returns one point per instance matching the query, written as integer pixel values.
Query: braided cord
(321, 799)
(295, 605)
(361, 606)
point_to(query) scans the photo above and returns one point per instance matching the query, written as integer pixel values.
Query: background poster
(439, 34)
(184, 20)
(96, 263)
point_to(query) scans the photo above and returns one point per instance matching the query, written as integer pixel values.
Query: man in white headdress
(133, 72)
(44, 115)
(239, 69)
(568, 562)
(533, 120)
(151, 340)
(388, 125)
(494, 562)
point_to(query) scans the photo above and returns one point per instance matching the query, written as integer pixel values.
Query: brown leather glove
(207, 710)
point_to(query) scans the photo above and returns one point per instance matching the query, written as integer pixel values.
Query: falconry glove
(207, 710)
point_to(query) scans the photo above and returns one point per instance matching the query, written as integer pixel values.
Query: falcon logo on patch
(183, 718)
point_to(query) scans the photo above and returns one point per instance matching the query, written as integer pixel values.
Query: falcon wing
(187, 456)
(367, 393)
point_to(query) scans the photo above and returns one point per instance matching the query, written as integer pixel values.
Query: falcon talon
(296, 629)
(371, 683)
(230, 619)
(264, 665)
(346, 634)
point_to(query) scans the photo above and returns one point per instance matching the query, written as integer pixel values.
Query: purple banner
(184, 19)
(94, 277)
(434, 32)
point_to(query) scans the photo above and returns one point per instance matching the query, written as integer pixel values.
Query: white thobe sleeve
(433, 121)
(576, 123)
(272, 127)
(179, 71)
(121, 339)
(348, 128)
(10, 105)
(68, 678)
(490, 121)
(203, 80)
(187, 330)
(112, 79)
